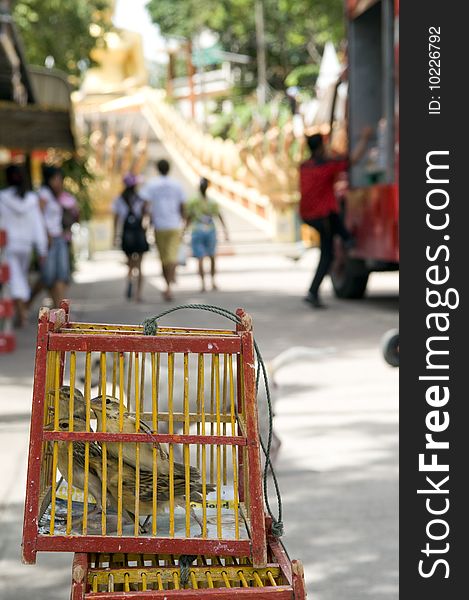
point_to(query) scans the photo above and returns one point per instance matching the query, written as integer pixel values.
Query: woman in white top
(21, 218)
(56, 270)
(129, 211)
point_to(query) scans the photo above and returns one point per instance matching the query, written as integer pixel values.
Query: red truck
(369, 97)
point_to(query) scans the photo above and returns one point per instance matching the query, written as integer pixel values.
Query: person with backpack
(130, 211)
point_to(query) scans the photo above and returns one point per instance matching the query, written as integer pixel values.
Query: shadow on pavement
(322, 517)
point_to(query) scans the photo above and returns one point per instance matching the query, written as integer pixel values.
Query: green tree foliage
(296, 30)
(58, 28)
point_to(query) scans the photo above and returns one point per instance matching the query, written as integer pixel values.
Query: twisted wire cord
(185, 563)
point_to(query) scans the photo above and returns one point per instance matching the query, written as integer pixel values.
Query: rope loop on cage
(150, 327)
(185, 563)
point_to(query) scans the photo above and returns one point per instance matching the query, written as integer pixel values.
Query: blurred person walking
(319, 206)
(201, 215)
(56, 270)
(130, 211)
(167, 204)
(21, 218)
(70, 216)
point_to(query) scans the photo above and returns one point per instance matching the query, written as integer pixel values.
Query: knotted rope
(185, 563)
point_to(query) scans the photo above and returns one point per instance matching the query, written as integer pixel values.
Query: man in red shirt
(318, 205)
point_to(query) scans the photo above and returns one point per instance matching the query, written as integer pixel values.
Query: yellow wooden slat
(200, 360)
(158, 370)
(154, 392)
(87, 393)
(242, 579)
(159, 581)
(224, 412)
(68, 527)
(56, 390)
(120, 447)
(142, 382)
(154, 526)
(225, 579)
(103, 445)
(137, 445)
(186, 446)
(171, 447)
(129, 381)
(73, 368)
(71, 419)
(257, 579)
(55, 451)
(46, 472)
(234, 450)
(137, 392)
(212, 410)
(114, 373)
(155, 366)
(201, 395)
(218, 449)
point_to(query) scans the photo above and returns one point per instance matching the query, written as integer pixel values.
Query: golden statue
(119, 54)
(121, 63)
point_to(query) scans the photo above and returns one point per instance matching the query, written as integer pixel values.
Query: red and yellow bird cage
(144, 443)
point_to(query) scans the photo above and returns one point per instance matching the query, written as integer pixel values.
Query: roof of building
(35, 106)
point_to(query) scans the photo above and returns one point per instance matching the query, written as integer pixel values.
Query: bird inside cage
(162, 466)
(77, 478)
(127, 475)
(129, 425)
(67, 402)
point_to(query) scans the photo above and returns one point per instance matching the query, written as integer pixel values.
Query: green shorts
(167, 242)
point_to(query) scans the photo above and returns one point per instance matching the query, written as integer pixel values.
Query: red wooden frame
(52, 337)
(31, 510)
(67, 342)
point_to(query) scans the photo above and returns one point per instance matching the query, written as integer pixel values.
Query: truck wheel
(349, 277)
(390, 347)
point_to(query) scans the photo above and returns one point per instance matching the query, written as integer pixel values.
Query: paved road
(336, 416)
